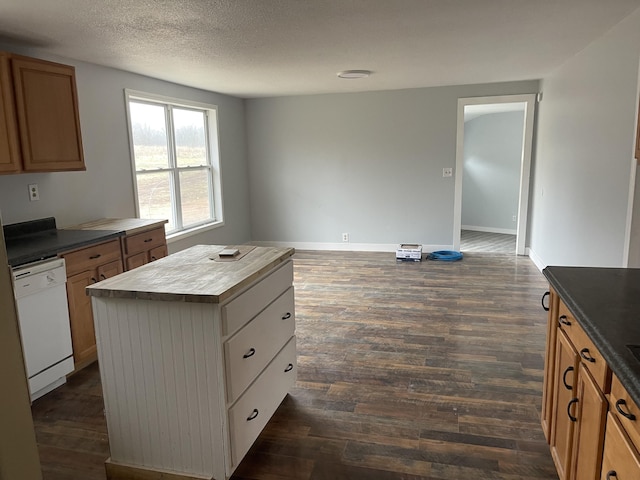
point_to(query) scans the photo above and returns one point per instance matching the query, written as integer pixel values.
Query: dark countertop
(606, 302)
(26, 244)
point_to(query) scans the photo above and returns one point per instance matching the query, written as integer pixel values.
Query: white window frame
(213, 147)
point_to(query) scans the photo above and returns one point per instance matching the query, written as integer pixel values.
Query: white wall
(106, 188)
(368, 164)
(584, 153)
(491, 179)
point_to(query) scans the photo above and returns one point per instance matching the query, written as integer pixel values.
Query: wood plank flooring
(426, 370)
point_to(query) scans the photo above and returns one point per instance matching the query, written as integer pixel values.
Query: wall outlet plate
(447, 172)
(34, 194)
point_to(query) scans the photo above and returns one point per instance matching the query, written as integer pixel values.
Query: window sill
(182, 234)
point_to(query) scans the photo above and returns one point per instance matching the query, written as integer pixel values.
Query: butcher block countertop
(129, 226)
(197, 274)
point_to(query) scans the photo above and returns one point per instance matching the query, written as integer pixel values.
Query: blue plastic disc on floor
(445, 255)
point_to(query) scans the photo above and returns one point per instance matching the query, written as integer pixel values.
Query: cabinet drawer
(253, 347)
(587, 351)
(621, 404)
(141, 242)
(620, 460)
(158, 253)
(255, 407)
(244, 307)
(92, 256)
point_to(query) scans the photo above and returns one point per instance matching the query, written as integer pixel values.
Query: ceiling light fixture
(353, 74)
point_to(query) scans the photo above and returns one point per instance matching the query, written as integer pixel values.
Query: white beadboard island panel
(162, 381)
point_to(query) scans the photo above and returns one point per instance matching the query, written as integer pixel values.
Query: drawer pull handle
(571, 402)
(148, 240)
(93, 280)
(289, 368)
(584, 353)
(153, 258)
(620, 402)
(93, 257)
(611, 474)
(286, 316)
(250, 353)
(103, 276)
(253, 415)
(544, 307)
(564, 378)
(563, 320)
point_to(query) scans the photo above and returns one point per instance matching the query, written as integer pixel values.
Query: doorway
(496, 189)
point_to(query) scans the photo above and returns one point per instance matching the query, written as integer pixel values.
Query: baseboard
(120, 471)
(535, 259)
(348, 247)
(507, 231)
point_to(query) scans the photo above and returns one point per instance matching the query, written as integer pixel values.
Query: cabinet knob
(628, 415)
(286, 316)
(250, 353)
(544, 307)
(564, 377)
(611, 474)
(563, 320)
(253, 415)
(571, 402)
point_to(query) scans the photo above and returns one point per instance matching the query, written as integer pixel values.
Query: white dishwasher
(43, 315)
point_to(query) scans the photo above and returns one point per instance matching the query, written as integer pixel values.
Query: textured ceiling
(253, 48)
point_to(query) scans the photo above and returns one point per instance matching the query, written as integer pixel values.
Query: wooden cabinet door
(591, 413)
(157, 253)
(9, 150)
(136, 260)
(83, 336)
(548, 386)
(562, 425)
(109, 270)
(47, 112)
(620, 460)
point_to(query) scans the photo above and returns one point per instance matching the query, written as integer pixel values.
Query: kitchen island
(196, 352)
(591, 392)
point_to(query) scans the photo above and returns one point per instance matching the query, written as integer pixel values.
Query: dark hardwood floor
(409, 371)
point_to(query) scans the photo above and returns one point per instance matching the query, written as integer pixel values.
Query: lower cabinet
(204, 375)
(587, 416)
(142, 248)
(86, 266)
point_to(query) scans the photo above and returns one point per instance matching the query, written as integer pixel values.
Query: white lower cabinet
(188, 386)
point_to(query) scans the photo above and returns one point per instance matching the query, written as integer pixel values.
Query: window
(174, 150)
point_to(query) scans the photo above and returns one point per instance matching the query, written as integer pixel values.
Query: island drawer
(626, 411)
(92, 256)
(253, 347)
(588, 354)
(144, 241)
(255, 407)
(244, 307)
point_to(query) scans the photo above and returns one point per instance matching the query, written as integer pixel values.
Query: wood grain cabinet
(144, 247)
(574, 402)
(42, 132)
(87, 266)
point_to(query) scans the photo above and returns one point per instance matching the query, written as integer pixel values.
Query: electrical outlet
(34, 194)
(447, 172)
(345, 237)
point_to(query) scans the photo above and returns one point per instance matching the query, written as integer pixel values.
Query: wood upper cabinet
(43, 133)
(9, 146)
